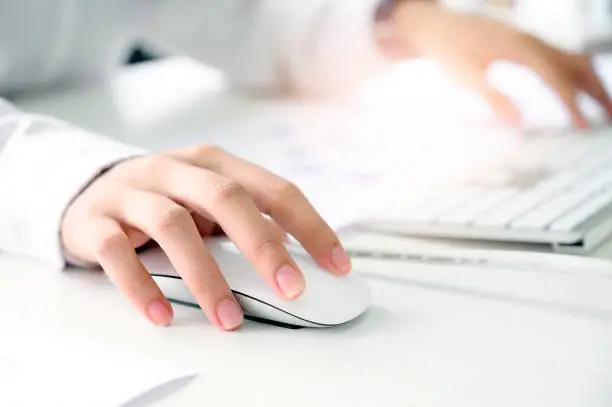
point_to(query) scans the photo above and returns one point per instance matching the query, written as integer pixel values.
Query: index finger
(280, 199)
(561, 83)
(593, 85)
(172, 227)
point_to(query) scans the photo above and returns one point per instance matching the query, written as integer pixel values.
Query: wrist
(44, 166)
(401, 23)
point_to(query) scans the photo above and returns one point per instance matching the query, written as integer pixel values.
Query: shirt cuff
(43, 167)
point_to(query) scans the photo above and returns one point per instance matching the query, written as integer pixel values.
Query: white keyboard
(556, 189)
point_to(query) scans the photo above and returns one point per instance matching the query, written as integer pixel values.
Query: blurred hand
(176, 198)
(465, 45)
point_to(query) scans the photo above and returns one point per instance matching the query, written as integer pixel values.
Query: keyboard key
(549, 211)
(464, 214)
(441, 205)
(582, 150)
(580, 215)
(400, 208)
(576, 175)
(597, 180)
(510, 210)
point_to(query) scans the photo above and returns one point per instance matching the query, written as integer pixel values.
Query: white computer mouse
(327, 301)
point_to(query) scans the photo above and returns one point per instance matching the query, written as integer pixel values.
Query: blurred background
(581, 25)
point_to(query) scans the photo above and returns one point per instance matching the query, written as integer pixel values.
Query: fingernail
(159, 313)
(230, 314)
(290, 281)
(341, 260)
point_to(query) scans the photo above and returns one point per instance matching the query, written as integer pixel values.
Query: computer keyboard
(555, 189)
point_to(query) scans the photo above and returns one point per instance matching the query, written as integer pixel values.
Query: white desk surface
(435, 337)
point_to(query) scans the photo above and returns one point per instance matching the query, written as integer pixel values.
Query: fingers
(277, 230)
(172, 227)
(230, 205)
(209, 228)
(206, 227)
(557, 69)
(280, 199)
(564, 87)
(501, 105)
(156, 197)
(473, 75)
(591, 83)
(567, 76)
(112, 249)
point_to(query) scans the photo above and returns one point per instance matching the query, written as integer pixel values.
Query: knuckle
(149, 164)
(583, 60)
(284, 193)
(228, 191)
(208, 155)
(205, 150)
(169, 216)
(269, 246)
(109, 244)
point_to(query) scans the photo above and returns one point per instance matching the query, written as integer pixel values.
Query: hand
(176, 198)
(465, 45)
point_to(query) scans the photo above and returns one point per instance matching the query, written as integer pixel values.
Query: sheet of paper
(333, 167)
(39, 366)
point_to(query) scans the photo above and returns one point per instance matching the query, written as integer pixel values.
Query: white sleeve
(311, 47)
(44, 164)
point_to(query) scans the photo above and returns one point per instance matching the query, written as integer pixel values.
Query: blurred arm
(311, 47)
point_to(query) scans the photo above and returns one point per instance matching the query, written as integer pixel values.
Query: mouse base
(247, 317)
(272, 323)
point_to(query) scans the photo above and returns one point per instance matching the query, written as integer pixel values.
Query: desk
(434, 338)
